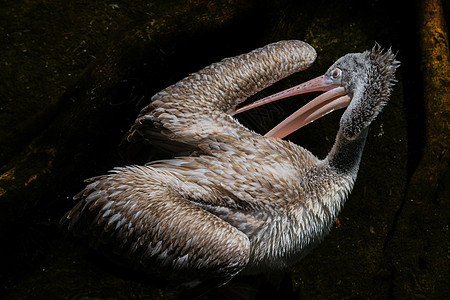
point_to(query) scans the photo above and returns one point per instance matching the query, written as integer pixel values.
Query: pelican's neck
(345, 156)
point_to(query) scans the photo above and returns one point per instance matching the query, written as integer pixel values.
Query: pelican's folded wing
(137, 212)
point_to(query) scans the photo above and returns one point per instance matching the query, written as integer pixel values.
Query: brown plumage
(242, 202)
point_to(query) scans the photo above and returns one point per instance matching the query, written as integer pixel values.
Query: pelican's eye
(336, 74)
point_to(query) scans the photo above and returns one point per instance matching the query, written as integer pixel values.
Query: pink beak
(335, 97)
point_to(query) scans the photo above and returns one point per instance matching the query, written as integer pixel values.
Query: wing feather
(199, 106)
(154, 225)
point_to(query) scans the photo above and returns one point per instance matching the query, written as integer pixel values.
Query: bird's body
(241, 202)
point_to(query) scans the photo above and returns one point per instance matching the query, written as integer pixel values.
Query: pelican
(240, 203)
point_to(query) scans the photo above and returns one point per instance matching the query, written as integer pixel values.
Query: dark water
(75, 75)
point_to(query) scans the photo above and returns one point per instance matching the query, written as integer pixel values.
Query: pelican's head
(368, 79)
(362, 82)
